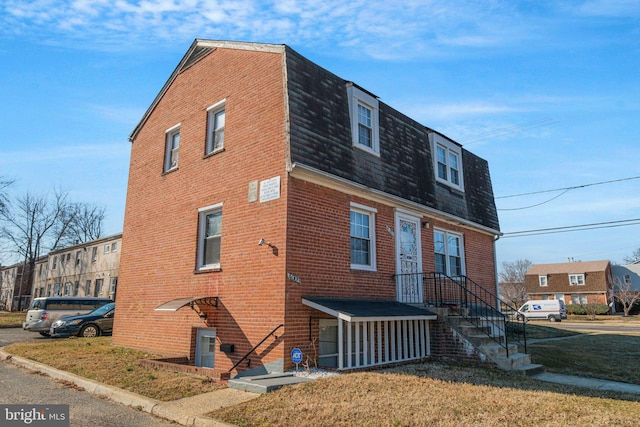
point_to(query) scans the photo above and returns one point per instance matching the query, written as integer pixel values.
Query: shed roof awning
(178, 303)
(357, 310)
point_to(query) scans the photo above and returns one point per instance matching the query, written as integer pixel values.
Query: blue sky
(547, 91)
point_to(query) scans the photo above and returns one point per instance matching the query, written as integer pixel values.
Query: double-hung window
(576, 279)
(215, 127)
(364, 113)
(209, 237)
(448, 162)
(448, 253)
(362, 234)
(542, 280)
(171, 151)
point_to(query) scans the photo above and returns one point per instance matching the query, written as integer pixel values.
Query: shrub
(588, 309)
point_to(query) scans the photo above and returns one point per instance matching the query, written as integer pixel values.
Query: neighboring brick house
(289, 208)
(587, 282)
(86, 269)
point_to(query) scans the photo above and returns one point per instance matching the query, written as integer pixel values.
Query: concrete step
(496, 350)
(530, 369)
(512, 362)
(265, 383)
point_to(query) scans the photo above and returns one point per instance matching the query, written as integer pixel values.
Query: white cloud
(382, 29)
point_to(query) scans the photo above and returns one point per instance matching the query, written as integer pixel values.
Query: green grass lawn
(605, 356)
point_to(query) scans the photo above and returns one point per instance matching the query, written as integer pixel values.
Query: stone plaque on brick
(253, 191)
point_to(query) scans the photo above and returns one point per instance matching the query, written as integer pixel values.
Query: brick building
(273, 205)
(588, 282)
(85, 269)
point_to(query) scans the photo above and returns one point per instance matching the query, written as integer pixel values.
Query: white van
(553, 310)
(43, 311)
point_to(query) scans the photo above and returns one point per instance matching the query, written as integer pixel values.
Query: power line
(569, 228)
(569, 188)
(533, 206)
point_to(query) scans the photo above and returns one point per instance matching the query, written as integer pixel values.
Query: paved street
(20, 386)
(630, 328)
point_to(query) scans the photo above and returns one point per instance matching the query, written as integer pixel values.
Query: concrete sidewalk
(592, 383)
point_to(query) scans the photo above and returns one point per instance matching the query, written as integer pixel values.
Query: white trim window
(362, 237)
(576, 279)
(542, 280)
(215, 127)
(578, 298)
(448, 162)
(171, 150)
(448, 253)
(364, 112)
(209, 237)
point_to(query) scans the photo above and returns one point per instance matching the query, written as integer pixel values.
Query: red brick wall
(160, 231)
(319, 253)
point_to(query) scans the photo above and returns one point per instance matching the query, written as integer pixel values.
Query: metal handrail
(255, 347)
(480, 307)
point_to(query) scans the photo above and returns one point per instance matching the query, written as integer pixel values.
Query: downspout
(495, 265)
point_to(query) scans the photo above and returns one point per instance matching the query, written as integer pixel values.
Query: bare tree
(511, 283)
(635, 257)
(87, 224)
(4, 200)
(623, 293)
(34, 224)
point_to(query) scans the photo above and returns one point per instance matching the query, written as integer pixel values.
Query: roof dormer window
(447, 162)
(364, 112)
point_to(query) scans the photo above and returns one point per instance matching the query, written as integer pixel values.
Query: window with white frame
(576, 279)
(209, 237)
(578, 298)
(542, 280)
(107, 248)
(94, 254)
(364, 113)
(362, 233)
(215, 127)
(627, 279)
(171, 151)
(448, 251)
(448, 162)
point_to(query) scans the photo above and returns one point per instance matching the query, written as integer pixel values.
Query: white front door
(408, 259)
(206, 347)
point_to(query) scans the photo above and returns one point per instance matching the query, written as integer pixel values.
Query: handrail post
(254, 348)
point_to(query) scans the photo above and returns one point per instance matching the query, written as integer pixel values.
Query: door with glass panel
(408, 259)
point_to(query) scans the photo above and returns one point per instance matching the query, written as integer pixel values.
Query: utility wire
(566, 229)
(537, 204)
(569, 188)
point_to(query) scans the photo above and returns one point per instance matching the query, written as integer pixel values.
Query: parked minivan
(553, 310)
(43, 311)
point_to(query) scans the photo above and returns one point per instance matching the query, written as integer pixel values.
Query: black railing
(482, 308)
(255, 347)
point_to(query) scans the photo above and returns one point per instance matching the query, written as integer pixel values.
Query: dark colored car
(89, 325)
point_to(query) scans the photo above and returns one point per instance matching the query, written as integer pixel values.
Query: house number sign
(270, 189)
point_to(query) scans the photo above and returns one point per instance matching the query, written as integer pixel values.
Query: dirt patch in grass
(433, 394)
(12, 319)
(604, 356)
(97, 359)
